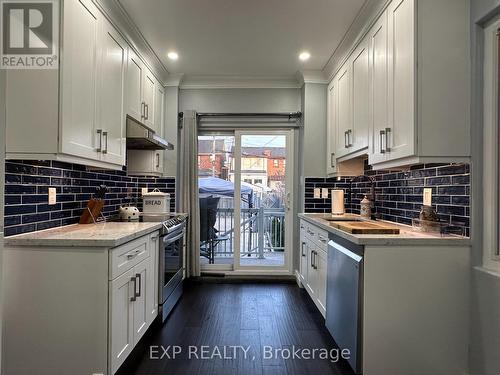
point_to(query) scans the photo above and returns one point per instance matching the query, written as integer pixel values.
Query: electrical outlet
(52, 196)
(324, 193)
(427, 197)
(317, 193)
(144, 191)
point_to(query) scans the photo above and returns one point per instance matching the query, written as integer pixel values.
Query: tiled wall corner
(26, 193)
(399, 194)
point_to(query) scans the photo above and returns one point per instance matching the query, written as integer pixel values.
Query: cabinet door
(149, 99)
(311, 283)
(135, 82)
(331, 159)
(142, 304)
(360, 98)
(152, 284)
(111, 114)
(159, 109)
(303, 254)
(378, 91)
(321, 262)
(344, 119)
(121, 319)
(401, 64)
(158, 162)
(78, 79)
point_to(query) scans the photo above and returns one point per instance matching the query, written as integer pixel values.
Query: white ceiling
(243, 37)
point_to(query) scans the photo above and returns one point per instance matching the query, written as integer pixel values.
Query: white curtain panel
(189, 201)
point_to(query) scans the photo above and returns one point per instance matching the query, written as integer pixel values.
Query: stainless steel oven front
(171, 269)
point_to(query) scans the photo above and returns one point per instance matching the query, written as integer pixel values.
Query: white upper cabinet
(159, 109)
(79, 111)
(78, 81)
(111, 118)
(344, 110)
(149, 99)
(141, 91)
(360, 98)
(403, 82)
(135, 84)
(400, 133)
(331, 162)
(379, 101)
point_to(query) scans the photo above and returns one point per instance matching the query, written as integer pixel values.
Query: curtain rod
(290, 115)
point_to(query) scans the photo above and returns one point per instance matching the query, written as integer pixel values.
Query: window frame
(491, 156)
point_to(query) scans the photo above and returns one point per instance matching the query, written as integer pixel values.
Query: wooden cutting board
(365, 227)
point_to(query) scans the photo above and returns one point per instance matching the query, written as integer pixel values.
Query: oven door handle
(168, 240)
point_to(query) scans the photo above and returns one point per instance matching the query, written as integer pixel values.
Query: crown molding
(311, 76)
(122, 21)
(174, 79)
(364, 20)
(238, 82)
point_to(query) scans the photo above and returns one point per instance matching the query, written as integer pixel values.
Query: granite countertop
(407, 235)
(107, 234)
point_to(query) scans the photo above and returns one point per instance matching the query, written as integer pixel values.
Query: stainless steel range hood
(140, 137)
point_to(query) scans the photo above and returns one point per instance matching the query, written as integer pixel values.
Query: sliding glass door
(245, 188)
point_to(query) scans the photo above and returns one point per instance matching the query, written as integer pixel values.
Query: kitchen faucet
(372, 195)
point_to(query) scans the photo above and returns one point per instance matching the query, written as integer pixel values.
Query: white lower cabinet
(87, 317)
(121, 319)
(313, 261)
(132, 305)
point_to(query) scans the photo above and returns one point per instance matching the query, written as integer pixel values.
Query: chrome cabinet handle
(349, 138)
(381, 141)
(138, 276)
(99, 133)
(133, 255)
(332, 163)
(322, 239)
(157, 160)
(143, 109)
(105, 135)
(134, 297)
(312, 259)
(303, 245)
(147, 111)
(387, 132)
(346, 139)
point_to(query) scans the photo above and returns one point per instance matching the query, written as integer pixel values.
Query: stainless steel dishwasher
(344, 297)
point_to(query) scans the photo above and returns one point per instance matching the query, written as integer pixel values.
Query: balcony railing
(262, 231)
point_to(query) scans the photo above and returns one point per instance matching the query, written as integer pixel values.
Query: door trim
(289, 179)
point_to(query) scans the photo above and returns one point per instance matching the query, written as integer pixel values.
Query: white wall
(171, 129)
(314, 137)
(240, 100)
(485, 316)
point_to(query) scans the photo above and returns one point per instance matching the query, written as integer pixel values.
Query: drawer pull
(133, 254)
(322, 239)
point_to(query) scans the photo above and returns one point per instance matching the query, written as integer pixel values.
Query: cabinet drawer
(321, 238)
(127, 256)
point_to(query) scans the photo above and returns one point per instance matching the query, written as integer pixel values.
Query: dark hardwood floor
(223, 315)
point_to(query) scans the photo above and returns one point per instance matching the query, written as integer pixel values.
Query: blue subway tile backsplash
(26, 193)
(399, 194)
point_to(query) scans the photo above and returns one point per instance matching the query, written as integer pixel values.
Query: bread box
(156, 202)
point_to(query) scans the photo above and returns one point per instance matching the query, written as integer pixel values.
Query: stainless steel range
(171, 266)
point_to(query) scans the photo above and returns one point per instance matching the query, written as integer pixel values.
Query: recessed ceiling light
(304, 56)
(173, 55)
